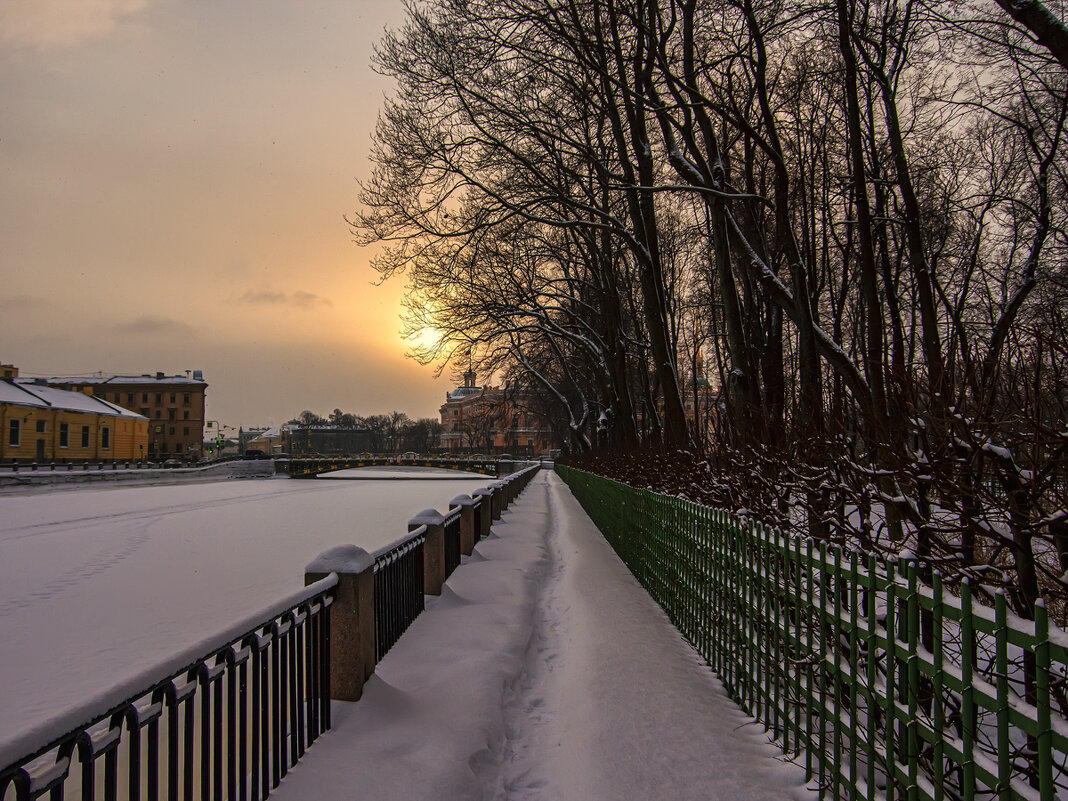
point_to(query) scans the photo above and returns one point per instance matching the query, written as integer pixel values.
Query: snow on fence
(228, 717)
(884, 685)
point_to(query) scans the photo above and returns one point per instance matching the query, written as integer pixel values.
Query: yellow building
(39, 423)
(173, 404)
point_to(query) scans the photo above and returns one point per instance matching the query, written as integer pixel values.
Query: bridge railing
(228, 718)
(881, 685)
(308, 465)
(238, 712)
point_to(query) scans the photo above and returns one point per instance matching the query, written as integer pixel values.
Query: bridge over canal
(311, 466)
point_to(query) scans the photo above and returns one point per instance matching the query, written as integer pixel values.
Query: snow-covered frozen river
(98, 584)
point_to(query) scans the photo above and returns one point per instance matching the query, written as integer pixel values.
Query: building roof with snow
(463, 392)
(197, 377)
(28, 392)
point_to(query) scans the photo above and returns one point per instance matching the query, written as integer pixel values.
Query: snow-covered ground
(544, 671)
(97, 584)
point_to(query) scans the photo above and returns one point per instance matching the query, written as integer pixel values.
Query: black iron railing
(452, 541)
(398, 590)
(225, 725)
(480, 508)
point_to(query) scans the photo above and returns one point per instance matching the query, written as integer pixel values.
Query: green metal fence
(880, 684)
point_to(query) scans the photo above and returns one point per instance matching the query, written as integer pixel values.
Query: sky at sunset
(174, 179)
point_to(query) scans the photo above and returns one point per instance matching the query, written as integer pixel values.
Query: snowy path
(543, 672)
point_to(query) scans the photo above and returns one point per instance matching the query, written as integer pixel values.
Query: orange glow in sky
(175, 180)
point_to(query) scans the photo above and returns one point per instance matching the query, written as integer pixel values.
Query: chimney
(159, 376)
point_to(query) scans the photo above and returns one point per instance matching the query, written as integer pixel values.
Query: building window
(144, 397)
(172, 414)
(159, 397)
(129, 397)
(15, 433)
(85, 436)
(64, 435)
(172, 397)
(105, 437)
(185, 399)
(185, 415)
(40, 426)
(185, 430)
(159, 413)
(171, 432)
(144, 412)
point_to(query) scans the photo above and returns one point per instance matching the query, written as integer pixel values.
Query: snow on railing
(881, 684)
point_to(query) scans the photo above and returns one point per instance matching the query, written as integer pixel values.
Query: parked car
(253, 453)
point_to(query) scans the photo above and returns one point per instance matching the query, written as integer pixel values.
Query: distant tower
(469, 378)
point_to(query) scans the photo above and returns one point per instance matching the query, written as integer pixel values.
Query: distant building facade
(268, 441)
(172, 404)
(324, 441)
(39, 423)
(491, 420)
(700, 399)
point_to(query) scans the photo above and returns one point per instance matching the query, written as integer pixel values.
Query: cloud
(146, 325)
(299, 299)
(305, 300)
(17, 303)
(61, 23)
